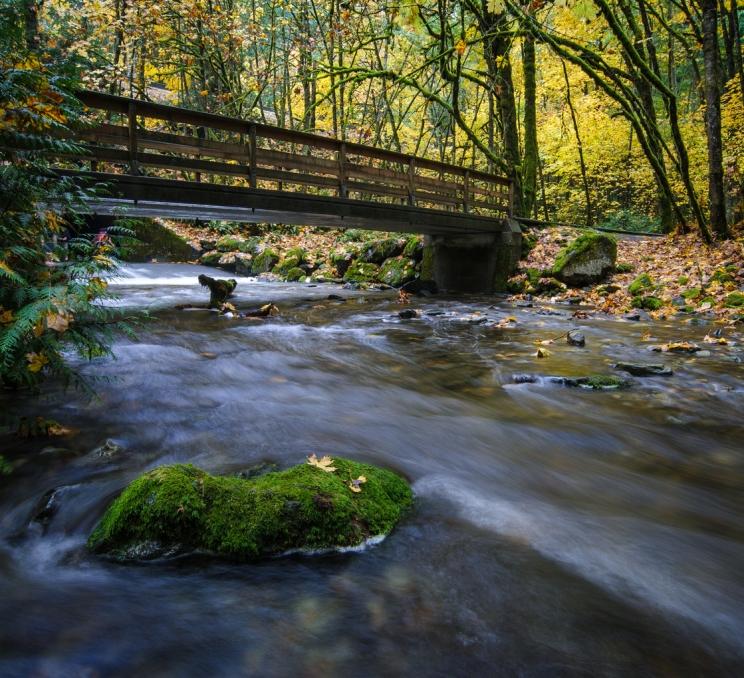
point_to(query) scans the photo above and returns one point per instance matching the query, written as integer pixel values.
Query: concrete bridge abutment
(479, 262)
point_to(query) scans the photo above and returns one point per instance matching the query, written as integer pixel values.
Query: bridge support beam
(472, 263)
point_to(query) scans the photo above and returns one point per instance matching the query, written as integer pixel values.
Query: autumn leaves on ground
(687, 276)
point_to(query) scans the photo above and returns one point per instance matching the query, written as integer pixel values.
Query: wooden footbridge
(166, 161)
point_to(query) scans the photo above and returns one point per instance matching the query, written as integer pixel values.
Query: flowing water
(556, 531)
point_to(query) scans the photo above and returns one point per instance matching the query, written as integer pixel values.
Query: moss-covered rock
(231, 243)
(586, 260)
(265, 260)
(181, 508)
(152, 239)
(361, 272)
(342, 259)
(414, 248)
(643, 283)
(210, 258)
(734, 300)
(295, 274)
(293, 257)
(649, 303)
(397, 271)
(243, 263)
(624, 268)
(378, 251)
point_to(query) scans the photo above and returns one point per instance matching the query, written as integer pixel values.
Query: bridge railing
(130, 136)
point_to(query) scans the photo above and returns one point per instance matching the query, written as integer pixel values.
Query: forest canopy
(627, 113)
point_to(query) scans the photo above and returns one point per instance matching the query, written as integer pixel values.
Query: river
(556, 531)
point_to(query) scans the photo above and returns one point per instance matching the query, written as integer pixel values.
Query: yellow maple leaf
(460, 46)
(325, 463)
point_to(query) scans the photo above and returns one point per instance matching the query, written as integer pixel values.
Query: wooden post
(252, 156)
(342, 187)
(466, 192)
(201, 134)
(511, 198)
(132, 112)
(412, 182)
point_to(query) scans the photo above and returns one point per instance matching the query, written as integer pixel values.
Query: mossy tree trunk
(530, 160)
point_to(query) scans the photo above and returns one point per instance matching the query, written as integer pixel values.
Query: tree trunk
(589, 211)
(711, 59)
(31, 23)
(529, 162)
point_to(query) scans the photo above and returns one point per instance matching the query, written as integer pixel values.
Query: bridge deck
(157, 161)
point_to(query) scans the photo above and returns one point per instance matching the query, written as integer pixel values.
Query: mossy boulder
(649, 303)
(230, 243)
(265, 260)
(210, 258)
(361, 272)
(624, 267)
(414, 248)
(293, 257)
(397, 271)
(243, 263)
(587, 260)
(295, 274)
(342, 259)
(734, 300)
(181, 509)
(643, 283)
(378, 251)
(152, 239)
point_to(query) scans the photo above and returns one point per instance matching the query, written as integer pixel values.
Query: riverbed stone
(397, 271)
(587, 260)
(181, 509)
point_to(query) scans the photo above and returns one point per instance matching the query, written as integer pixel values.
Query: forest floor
(688, 276)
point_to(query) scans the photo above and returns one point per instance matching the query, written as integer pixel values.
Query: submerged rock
(638, 370)
(180, 508)
(588, 259)
(602, 382)
(575, 338)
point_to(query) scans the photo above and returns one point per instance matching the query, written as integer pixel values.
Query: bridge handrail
(119, 104)
(272, 158)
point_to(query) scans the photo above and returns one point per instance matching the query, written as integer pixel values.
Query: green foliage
(628, 220)
(53, 277)
(303, 507)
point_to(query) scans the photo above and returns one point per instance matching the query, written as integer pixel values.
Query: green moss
(604, 381)
(649, 303)
(584, 244)
(154, 240)
(182, 507)
(264, 261)
(734, 300)
(642, 283)
(210, 258)
(533, 276)
(397, 271)
(378, 251)
(683, 280)
(293, 257)
(414, 248)
(230, 243)
(692, 293)
(360, 272)
(294, 274)
(624, 268)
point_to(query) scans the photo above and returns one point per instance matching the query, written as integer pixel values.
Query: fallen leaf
(325, 463)
(722, 341)
(355, 485)
(36, 361)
